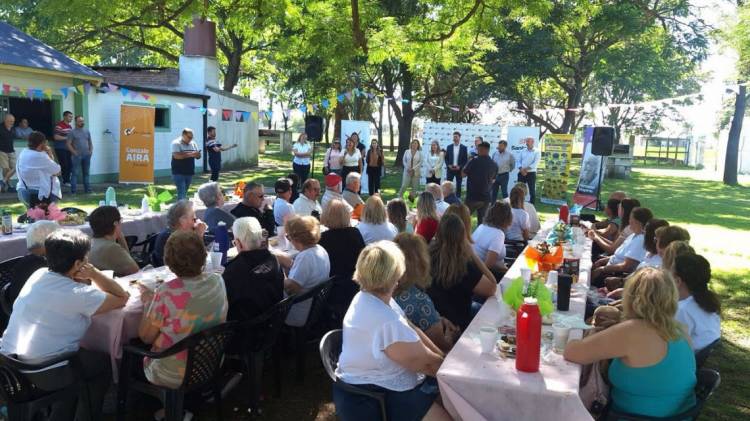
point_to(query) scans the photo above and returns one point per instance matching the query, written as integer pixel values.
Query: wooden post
(645, 154)
(669, 140)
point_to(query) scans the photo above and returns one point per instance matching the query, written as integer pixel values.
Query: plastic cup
(487, 337)
(109, 274)
(561, 333)
(526, 274)
(216, 259)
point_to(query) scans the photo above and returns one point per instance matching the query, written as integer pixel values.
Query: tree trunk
(327, 126)
(232, 76)
(380, 121)
(406, 116)
(390, 128)
(340, 114)
(733, 143)
(574, 100)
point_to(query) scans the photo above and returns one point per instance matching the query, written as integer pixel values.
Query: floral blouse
(418, 308)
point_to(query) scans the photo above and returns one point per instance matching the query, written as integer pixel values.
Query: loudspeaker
(314, 128)
(603, 141)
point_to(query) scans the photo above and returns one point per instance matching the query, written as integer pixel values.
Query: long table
(477, 386)
(142, 225)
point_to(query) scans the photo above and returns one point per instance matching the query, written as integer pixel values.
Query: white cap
(529, 300)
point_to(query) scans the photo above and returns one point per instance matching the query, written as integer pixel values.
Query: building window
(161, 118)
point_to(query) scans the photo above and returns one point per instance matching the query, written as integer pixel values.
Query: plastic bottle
(564, 212)
(144, 205)
(110, 196)
(528, 336)
(221, 237)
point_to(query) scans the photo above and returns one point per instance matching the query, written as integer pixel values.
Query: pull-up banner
(136, 144)
(586, 193)
(557, 154)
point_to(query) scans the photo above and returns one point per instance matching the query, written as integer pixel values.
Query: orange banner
(136, 144)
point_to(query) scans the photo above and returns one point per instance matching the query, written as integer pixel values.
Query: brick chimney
(198, 66)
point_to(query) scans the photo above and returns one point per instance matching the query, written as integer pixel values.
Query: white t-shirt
(441, 206)
(352, 160)
(310, 268)
(703, 327)
(305, 206)
(281, 208)
(534, 224)
(301, 148)
(372, 233)
(50, 316)
(631, 248)
(650, 261)
(520, 222)
(486, 239)
(371, 326)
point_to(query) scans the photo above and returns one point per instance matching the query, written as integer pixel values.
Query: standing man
(215, 149)
(61, 145)
(80, 148)
(184, 153)
(529, 159)
(456, 156)
(23, 130)
(481, 172)
(473, 149)
(505, 162)
(7, 151)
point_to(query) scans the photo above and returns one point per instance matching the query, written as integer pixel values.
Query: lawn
(717, 216)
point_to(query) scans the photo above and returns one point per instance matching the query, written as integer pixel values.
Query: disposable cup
(216, 259)
(561, 333)
(526, 274)
(109, 274)
(487, 338)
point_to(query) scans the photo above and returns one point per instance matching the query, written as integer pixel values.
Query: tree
(738, 36)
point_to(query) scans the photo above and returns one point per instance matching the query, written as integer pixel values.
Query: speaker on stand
(314, 131)
(602, 144)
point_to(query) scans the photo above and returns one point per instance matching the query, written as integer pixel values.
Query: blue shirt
(418, 308)
(528, 159)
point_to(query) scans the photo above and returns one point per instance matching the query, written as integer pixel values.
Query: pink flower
(54, 213)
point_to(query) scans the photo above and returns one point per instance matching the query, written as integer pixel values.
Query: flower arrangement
(545, 256)
(560, 233)
(155, 200)
(239, 189)
(518, 290)
(46, 212)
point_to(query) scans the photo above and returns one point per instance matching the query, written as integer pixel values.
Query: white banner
(516, 143)
(362, 128)
(443, 133)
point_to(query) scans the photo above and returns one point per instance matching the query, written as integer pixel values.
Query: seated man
(54, 310)
(333, 191)
(350, 194)
(254, 205)
(24, 268)
(449, 192)
(254, 280)
(437, 194)
(307, 202)
(212, 197)
(109, 250)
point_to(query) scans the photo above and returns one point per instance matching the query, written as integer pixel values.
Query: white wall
(244, 134)
(39, 81)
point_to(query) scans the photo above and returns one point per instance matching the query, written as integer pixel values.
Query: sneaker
(11, 189)
(2, 186)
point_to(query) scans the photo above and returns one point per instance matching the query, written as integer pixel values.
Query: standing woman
(412, 161)
(351, 159)
(435, 163)
(301, 162)
(375, 162)
(332, 160)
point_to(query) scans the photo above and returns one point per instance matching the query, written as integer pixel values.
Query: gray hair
(248, 231)
(435, 190)
(448, 185)
(177, 211)
(352, 176)
(209, 193)
(38, 232)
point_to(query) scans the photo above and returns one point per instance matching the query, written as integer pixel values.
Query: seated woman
(489, 238)
(534, 224)
(373, 225)
(180, 307)
(652, 372)
(699, 308)
(652, 258)
(343, 243)
(180, 217)
(411, 297)
(36, 259)
(629, 255)
(610, 227)
(381, 351)
(464, 214)
(109, 250)
(211, 196)
(53, 311)
(603, 245)
(397, 215)
(37, 172)
(519, 227)
(254, 280)
(456, 278)
(427, 218)
(310, 267)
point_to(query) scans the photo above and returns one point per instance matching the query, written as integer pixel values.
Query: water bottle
(7, 222)
(222, 240)
(144, 205)
(564, 211)
(528, 336)
(110, 196)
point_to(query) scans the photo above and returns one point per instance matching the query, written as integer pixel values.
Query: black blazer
(463, 156)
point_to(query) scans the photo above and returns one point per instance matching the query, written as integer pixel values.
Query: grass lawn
(717, 216)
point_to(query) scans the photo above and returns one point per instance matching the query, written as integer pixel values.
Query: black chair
(330, 349)
(256, 337)
(5, 302)
(513, 249)
(708, 381)
(141, 252)
(31, 389)
(702, 355)
(316, 322)
(205, 353)
(6, 268)
(131, 240)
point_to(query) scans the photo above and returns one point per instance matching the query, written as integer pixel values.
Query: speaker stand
(312, 161)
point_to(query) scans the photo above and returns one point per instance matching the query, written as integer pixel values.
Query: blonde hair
(304, 229)
(464, 214)
(651, 295)
(426, 206)
(374, 211)
(379, 267)
(674, 249)
(336, 215)
(416, 252)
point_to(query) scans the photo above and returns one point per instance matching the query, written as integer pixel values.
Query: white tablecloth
(476, 386)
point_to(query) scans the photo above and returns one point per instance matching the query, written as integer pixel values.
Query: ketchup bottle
(528, 336)
(564, 213)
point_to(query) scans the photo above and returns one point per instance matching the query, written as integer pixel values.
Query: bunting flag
(212, 111)
(124, 91)
(255, 116)
(348, 95)
(86, 87)
(180, 105)
(324, 103)
(226, 115)
(145, 96)
(303, 108)
(79, 88)
(6, 89)
(340, 97)
(245, 115)
(48, 93)
(112, 87)
(64, 92)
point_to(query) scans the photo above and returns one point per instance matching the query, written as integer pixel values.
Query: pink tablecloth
(476, 386)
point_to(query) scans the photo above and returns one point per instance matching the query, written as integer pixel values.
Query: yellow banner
(136, 144)
(556, 156)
